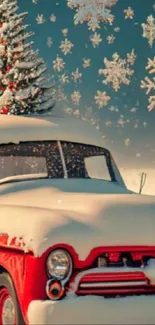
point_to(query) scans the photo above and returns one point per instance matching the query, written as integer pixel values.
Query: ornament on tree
(11, 85)
(8, 67)
(24, 86)
(4, 110)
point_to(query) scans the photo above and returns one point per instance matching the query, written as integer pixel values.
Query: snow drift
(47, 212)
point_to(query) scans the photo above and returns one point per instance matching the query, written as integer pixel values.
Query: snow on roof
(15, 129)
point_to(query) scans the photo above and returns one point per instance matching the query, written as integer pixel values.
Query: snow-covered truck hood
(46, 212)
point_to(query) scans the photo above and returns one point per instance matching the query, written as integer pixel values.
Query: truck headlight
(59, 264)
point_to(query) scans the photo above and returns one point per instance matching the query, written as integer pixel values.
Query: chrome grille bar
(113, 284)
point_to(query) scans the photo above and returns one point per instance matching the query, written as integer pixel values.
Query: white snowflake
(116, 72)
(58, 64)
(64, 78)
(127, 142)
(111, 39)
(66, 46)
(53, 18)
(121, 122)
(112, 108)
(49, 41)
(149, 84)
(76, 75)
(95, 39)
(149, 30)
(60, 96)
(138, 154)
(133, 110)
(76, 113)
(101, 98)
(136, 126)
(35, 1)
(108, 123)
(145, 124)
(40, 19)
(64, 31)
(92, 11)
(68, 110)
(131, 57)
(86, 63)
(129, 13)
(117, 29)
(76, 96)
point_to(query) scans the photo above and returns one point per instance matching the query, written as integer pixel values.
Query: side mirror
(142, 182)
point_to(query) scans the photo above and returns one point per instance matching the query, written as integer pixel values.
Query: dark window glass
(31, 158)
(43, 159)
(86, 161)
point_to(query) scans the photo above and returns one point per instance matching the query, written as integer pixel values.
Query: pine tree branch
(22, 38)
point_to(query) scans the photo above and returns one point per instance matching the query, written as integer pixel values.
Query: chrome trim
(113, 284)
(8, 312)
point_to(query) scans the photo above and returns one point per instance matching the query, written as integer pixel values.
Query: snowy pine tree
(24, 85)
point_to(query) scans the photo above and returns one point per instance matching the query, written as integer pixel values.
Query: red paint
(29, 275)
(117, 291)
(113, 276)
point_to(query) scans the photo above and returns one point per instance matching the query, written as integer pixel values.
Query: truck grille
(121, 260)
(114, 283)
(122, 274)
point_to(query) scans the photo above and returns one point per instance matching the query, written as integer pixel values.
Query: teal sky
(139, 126)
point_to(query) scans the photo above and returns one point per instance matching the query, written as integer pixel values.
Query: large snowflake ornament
(92, 11)
(149, 30)
(149, 84)
(117, 71)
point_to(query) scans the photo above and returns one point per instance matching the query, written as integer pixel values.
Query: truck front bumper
(93, 310)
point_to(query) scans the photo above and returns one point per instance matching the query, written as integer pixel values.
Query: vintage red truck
(71, 233)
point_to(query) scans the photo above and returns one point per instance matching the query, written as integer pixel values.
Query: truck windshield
(53, 159)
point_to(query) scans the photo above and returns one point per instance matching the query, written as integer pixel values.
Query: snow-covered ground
(93, 310)
(132, 179)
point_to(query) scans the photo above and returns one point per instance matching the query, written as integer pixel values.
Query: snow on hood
(49, 212)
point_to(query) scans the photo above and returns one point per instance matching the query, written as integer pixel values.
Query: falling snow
(66, 46)
(149, 83)
(76, 75)
(95, 39)
(101, 98)
(76, 96)
(58, 64)
(40, 19)
(86, 63)
(129, 13)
